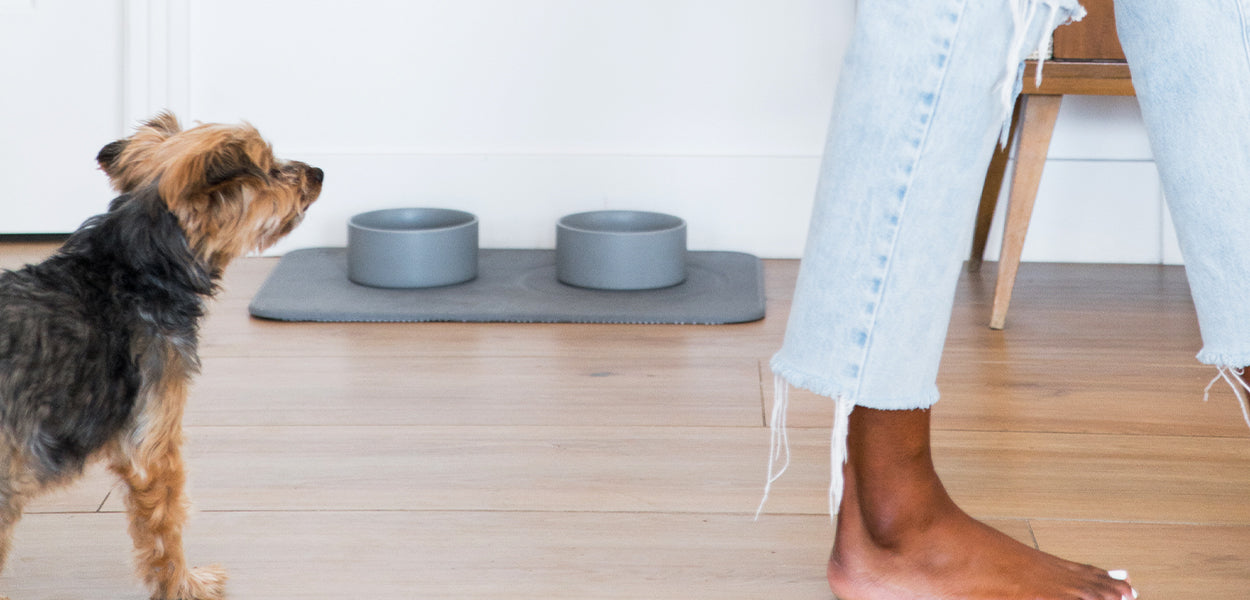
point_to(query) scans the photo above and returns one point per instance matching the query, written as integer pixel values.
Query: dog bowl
(412, 247)
(621, 250)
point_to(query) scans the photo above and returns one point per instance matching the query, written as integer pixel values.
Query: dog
(98, 343)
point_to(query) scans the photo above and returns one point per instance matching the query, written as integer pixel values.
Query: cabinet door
(60, 64)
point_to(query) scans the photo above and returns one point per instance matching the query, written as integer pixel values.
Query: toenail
(1122, 575)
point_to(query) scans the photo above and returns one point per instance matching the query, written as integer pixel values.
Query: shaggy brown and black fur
(98, 343)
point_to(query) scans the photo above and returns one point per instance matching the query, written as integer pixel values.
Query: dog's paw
(203, 583)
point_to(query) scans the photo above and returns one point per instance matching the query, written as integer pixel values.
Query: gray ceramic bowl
(412, 247)
(621, 250)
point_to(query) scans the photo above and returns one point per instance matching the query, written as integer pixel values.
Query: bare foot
(901, 537)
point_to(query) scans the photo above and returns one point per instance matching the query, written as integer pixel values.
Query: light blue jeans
(924, 94)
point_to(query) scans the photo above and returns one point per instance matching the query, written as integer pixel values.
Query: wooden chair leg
(989, 193)
(1039, 115)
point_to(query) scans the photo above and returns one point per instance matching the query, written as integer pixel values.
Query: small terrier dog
(98, 343)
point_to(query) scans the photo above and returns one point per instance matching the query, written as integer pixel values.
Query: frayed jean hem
(844, 403)
(1224, 359)
(822, 386)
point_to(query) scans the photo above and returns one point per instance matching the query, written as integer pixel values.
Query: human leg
(919, 108)
(1191, 70)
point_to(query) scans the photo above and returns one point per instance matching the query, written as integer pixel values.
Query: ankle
(890, 506)
(891, 525)
(892, 490)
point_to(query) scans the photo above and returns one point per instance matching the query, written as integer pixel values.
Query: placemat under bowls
(512, 286)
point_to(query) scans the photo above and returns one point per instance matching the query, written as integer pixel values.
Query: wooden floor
(402, 461)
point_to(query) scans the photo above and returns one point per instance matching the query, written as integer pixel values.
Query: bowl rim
(670, 223)
(467, 219)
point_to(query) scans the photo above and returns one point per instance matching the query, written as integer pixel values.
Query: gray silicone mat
(512, 286)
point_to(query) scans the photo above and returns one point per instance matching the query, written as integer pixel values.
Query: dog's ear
(164, 124)
(132, 162)
(108, 155)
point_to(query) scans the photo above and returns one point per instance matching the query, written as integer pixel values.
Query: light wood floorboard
(1166, 561)
(599, 461)
(462, 554)
(473, 390)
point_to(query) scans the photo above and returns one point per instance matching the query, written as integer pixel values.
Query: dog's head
(222, 182)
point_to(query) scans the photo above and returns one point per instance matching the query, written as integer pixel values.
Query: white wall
(525, 110)
(1100, 198)
(60, 101)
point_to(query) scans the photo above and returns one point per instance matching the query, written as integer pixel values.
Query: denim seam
(1245, 28)
(903, 200)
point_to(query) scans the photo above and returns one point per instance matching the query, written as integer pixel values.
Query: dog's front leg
(157, 505)
(156, 502)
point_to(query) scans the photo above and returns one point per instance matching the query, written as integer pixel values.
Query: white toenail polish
(1122, 575)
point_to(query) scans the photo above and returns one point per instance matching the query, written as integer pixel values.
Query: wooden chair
(1087, 61)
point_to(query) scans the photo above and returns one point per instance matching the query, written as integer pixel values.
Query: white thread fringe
(779, 444)
(1232, 376)
(779, 440)
(837, 451)
(1023, 12)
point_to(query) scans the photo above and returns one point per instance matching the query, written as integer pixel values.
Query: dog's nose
(316, 174)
